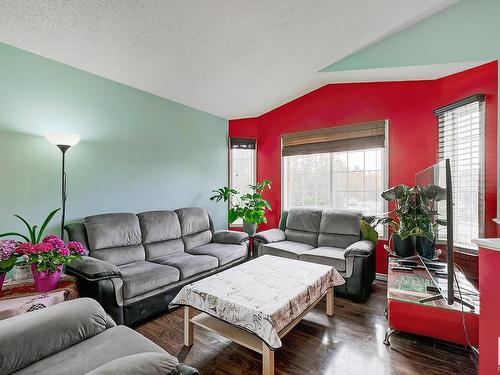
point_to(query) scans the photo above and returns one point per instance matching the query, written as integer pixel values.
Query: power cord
(464, 323)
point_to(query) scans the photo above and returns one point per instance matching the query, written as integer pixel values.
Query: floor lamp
(64, 141)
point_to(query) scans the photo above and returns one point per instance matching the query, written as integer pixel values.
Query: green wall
(467, 31)
(138, 151)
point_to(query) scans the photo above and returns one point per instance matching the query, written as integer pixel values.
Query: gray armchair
(78, 337)
(331, 237)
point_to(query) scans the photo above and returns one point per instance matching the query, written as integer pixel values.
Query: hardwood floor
(348, 343)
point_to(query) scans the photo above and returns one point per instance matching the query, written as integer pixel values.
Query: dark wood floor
(348, 343)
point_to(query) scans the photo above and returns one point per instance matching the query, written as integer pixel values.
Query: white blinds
(461, 140)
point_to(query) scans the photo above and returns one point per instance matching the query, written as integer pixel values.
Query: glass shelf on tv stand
(411, 287)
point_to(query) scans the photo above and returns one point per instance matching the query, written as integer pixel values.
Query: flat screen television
(439, 175)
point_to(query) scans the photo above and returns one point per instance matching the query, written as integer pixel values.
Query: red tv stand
(434, 319)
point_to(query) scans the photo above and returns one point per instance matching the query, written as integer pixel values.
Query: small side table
(19, 297)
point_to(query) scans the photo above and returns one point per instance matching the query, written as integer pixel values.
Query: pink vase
(2, 279)
(45, 281)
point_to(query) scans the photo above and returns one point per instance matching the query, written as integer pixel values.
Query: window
(242, 161)
(461, 140)
(345, 169)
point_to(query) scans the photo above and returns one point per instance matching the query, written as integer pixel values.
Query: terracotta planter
(2, 279)
(45, 281)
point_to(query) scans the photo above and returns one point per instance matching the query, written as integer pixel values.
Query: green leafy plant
(35, 234)
(368, 232)
(413, 213)
(250, 207)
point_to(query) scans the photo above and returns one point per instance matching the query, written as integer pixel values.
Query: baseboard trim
(381, 277)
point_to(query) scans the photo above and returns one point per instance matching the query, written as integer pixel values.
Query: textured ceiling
(226, 57)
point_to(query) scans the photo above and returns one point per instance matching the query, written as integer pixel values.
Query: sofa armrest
(229, 237)
(360, 248)
(30, 337)
(150, 363)
(94, 269)
(270, 235)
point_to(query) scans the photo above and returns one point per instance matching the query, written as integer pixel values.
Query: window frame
(385, 173)
(481, 100)
(230, 172)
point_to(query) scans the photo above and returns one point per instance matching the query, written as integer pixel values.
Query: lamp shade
(63, 139)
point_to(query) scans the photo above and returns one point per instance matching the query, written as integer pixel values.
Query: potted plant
(47, 259)
(250, 207)
(412, 221)
(45, 255)
(8, 258)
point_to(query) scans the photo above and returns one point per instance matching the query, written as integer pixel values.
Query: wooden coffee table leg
(188, 327)
(267, 360)
(330, 306)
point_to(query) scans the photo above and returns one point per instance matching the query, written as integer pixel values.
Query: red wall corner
(413, 132)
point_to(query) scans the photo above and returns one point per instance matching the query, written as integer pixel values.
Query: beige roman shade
(338, 138)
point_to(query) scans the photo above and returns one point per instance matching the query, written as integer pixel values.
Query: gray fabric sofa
(136, 264)
(78, 337)
(331, 237)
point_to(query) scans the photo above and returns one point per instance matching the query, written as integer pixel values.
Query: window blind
(242, 143)
(461, 139)
(335, 139)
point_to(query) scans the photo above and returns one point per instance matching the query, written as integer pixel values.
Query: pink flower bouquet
(51, 254)
(8, 255)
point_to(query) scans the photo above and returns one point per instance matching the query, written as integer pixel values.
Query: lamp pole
(63, 141)
(63, 149)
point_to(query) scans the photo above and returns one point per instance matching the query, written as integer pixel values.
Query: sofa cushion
(195, 226)
(161, 233)
(94, 352)
(115, 238)
(157, 226)
(188, 264)
(48, 331)
(143, 277)
(164, 248)
(302, 225)
(139, 364)
(329, 256)
(223, 252)
(112, 230)
(285, 249)
(339, 228)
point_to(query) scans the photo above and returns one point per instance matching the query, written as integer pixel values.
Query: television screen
(436, 182)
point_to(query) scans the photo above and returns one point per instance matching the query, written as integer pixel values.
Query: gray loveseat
(330, 237)
(138, 263)
(78, 337)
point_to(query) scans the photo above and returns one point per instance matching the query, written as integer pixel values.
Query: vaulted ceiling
(231, 58)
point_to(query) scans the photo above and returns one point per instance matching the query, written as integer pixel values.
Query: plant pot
(21, 272)
(46, 281)
(403, 248)
(2, 279)
(249, 228)
(426, 248)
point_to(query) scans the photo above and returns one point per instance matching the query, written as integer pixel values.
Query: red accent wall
(413, 129)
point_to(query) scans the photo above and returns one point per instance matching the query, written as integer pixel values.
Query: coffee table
(256, 303)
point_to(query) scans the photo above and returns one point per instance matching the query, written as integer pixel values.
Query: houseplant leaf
(45, 223)
(8, 234)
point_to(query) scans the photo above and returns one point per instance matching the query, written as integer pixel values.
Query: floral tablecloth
(18, 297)
(261, 296)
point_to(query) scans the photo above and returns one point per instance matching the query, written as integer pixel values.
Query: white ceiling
(231, 58)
